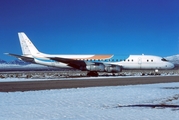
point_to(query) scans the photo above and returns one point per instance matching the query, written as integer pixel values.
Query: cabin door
(140, 62)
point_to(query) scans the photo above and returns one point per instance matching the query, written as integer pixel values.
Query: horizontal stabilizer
(24, 58)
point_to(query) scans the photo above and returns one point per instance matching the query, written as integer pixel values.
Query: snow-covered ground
(96, 103)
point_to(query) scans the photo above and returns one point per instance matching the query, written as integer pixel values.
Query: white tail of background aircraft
(91, 63)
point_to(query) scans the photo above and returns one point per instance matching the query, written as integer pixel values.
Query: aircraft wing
(21, 57)
(88, 65)
(73, 63)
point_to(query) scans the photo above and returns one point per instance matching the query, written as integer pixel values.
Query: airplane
(91, 63)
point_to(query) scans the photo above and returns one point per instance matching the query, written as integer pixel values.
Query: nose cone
(171, 65)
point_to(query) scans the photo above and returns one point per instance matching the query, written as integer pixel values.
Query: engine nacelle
(96, 67)
(113, 68)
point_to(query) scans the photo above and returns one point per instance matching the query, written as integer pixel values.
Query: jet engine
(113, 68)
(96, 67)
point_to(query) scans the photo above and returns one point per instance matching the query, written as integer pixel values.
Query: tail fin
(27, 46)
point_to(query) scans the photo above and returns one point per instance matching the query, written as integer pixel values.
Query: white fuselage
(144, 62)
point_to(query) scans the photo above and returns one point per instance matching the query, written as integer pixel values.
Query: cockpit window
(163, 59)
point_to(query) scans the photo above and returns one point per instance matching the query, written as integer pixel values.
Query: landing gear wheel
(92, 74)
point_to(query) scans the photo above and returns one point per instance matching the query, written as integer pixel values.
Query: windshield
(163, 59)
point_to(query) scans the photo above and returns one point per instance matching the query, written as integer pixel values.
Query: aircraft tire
(92, 74)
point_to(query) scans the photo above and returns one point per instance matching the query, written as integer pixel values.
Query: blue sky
(119, 27)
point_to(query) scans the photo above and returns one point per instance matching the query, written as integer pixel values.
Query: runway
(87, 82)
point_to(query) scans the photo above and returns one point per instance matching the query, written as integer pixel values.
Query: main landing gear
(92, 74)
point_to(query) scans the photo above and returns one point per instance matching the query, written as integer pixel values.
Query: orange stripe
(101, 57)
(95, 57)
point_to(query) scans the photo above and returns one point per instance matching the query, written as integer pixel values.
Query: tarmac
(78, 83)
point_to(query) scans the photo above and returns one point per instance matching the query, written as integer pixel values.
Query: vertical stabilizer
(27, 46)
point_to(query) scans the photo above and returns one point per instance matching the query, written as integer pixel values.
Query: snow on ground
(96, 103)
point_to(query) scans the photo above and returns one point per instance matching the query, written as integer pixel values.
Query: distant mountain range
(174, 59)
(3, 62)
(19, 65)
(15, 62)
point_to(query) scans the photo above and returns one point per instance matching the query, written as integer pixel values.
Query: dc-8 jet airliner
(91, 63)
